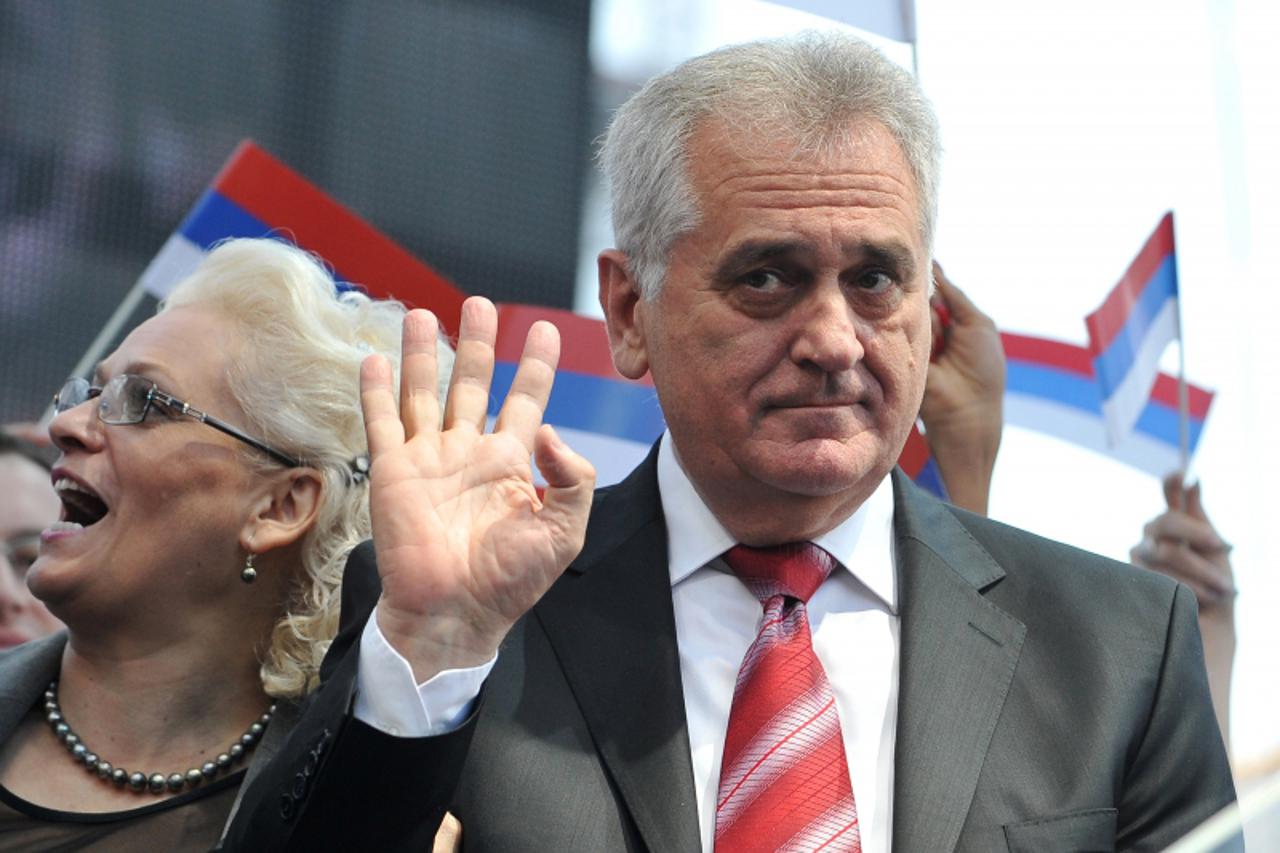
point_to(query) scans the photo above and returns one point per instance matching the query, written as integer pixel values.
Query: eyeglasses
(126, 399)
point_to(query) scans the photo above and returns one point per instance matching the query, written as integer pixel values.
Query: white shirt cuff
(388, 698)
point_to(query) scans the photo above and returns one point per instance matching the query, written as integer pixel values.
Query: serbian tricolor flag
(1130, 331)
(255, 195)
(1051, 389)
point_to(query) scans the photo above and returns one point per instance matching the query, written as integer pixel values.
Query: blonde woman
(213, 477)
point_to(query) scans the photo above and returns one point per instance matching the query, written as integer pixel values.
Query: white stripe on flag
(1067, 423)
(176, 260)
(613, 457)
(1122, 409)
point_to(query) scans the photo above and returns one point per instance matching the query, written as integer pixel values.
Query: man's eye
(876, 281)
(765, 281)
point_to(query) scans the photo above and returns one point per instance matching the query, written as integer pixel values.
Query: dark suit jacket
(1049, 699)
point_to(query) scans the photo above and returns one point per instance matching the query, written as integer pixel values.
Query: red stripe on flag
(360, 253)
(1048, 353)
(1105, 323)
(584, 343)
(915, 453)
(1166, 391)
(1045, 352)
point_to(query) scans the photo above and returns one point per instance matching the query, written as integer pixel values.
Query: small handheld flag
(1050, 388)
(255, 195)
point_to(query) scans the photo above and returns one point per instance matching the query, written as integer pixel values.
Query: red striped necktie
(784, 782)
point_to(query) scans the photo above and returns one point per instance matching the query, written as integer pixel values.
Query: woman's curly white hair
(297, 379)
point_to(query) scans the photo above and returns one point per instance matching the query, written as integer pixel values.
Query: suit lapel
(958, 653)
(611, 624)
(25, 671)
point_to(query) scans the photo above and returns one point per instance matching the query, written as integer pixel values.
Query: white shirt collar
(863, 542)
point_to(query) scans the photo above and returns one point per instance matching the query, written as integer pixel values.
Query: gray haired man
(770, 639)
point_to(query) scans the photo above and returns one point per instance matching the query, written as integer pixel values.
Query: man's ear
(284, 511)
(620, 300)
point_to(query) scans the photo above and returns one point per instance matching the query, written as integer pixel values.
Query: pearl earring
(248, 574)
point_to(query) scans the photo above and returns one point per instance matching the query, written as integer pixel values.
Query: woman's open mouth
(81, 506)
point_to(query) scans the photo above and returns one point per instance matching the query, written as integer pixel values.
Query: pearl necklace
(156, 783)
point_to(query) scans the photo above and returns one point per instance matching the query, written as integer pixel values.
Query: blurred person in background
(28, 505)
(212, 477)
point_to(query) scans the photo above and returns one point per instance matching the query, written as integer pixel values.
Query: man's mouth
(822, 404)
(81, 506)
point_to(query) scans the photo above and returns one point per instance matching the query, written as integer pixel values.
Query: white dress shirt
(852, 617)
(853, 620)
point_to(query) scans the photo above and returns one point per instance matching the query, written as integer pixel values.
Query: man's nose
(827, 333)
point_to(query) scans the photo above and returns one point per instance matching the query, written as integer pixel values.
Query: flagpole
(1184, 429)
(1184, 406)
(105, 337)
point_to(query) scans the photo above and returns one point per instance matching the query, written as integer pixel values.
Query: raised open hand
(464, 544)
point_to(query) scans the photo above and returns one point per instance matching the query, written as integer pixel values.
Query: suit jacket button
(286, 807)
(300, 786)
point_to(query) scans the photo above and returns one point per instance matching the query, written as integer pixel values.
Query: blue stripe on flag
(216, 217)
(1057, 385)
(1157, 420)
(1117, 359)
(592, 404)
(1161, 423)
(930, 479)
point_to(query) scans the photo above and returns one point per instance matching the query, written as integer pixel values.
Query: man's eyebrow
(753, 252)
(894, 254)
(897, 256)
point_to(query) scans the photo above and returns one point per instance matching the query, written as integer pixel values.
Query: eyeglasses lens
(124, 400)
(72, 393)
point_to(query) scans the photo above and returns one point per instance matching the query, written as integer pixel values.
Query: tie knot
(795, 570)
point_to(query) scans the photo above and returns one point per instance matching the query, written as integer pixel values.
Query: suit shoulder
(1056, 568)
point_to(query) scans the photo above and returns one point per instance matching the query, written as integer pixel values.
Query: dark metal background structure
(461, 129)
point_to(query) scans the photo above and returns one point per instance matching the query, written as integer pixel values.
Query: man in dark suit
(952, 684)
